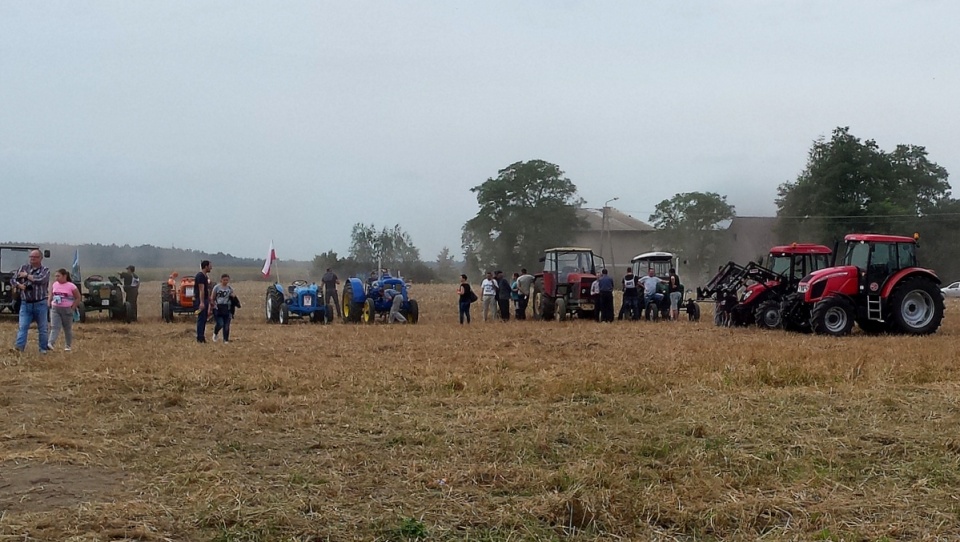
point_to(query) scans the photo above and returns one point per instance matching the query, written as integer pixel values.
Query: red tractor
(563, 288)
(879, 286)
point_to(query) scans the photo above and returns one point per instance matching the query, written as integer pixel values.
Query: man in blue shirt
(605, 302)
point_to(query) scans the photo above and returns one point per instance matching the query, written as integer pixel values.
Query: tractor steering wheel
(299, 283)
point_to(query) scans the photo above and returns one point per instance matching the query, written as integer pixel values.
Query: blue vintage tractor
(300, 300)
(363, 303)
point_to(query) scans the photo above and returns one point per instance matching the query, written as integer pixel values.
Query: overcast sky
(222, 125)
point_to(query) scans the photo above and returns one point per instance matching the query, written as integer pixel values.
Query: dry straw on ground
(519, 431)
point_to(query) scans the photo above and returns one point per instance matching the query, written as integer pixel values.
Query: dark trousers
(504, 309)
(522, 303)
(223, 324)
(202, 325)
(332, 295)
(464, 311)
(606, 306)
(630, 307)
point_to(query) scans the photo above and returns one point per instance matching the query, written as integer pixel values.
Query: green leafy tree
(852, 185)
(528, 207)
(324, 261)
(446, 266)
(390, 247)
(689, 223)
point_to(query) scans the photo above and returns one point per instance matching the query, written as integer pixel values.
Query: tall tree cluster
(526, 208)
(690, 224)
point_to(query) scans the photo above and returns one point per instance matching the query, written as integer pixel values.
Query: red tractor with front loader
(880, 286)
(562, 290)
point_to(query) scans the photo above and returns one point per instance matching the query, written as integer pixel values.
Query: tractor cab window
(780, 264)
(13, 259)
(858, 254)
(818, 261)
(884, 260)
(907, 254)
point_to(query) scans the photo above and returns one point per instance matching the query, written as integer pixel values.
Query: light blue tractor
(300, 300)
(364, 302)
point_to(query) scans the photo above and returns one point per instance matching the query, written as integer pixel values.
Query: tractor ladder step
(874, 311)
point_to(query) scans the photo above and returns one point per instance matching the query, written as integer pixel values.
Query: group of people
(219, 302)
(58, 303)
(496, 296)
(497, 293)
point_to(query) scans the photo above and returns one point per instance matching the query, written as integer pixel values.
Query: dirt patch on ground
(38, 487)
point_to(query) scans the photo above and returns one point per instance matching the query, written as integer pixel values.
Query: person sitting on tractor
(650, 283)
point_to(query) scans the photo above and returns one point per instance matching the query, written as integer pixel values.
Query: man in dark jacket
(605, 303)
(503, 296)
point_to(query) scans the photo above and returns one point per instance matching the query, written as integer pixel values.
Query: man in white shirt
(488, 290)
(649, 284)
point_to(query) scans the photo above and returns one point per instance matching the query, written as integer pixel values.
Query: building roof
(616, 220)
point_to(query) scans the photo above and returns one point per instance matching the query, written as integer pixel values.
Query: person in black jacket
(503, 296)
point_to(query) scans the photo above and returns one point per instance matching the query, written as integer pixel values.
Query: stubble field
(492, 432)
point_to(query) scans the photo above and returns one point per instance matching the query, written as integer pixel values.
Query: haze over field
(221, 125)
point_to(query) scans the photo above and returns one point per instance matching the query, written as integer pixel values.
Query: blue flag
(75, 270)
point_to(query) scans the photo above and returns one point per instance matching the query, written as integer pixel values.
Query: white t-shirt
(649, 284)
(489, 287)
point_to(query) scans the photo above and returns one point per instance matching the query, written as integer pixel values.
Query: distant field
(492, 432)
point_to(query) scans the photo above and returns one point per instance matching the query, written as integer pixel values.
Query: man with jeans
(650, 283)
(32, 282)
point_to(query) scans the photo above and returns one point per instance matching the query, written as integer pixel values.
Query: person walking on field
(32, 282)
(330, 281)
(466, 297)
(64, 299)
(488, 289)
(223, 299)
(201, 298)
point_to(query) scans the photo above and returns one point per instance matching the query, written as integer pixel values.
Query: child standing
(64, 299)
(223, 296)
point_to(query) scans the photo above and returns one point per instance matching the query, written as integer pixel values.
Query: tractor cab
(879, 257)
(660, 262)
(795, 261)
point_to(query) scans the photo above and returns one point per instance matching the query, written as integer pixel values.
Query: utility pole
(605, 228)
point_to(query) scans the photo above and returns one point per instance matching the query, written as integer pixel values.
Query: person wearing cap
(330, 281)
(131, 287)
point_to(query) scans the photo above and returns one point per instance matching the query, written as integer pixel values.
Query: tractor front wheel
(128, 314)
(561, 309)
(369, 312)
(283, 315)
(548, 308)
(916, 306)
(832, 316)
(166, 312)
(768, 315)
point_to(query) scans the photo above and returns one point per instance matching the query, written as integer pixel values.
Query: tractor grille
(105, 292)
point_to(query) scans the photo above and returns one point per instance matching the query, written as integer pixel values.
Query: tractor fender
(279, 288)
(357, 290)
(899, 277)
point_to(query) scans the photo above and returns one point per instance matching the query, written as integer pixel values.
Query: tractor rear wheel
(368, 312)
(413, 314)
(832, 316)
(283, 315)
(768, 315)
(916, 306)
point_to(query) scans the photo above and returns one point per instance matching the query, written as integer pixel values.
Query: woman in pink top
(64, 299)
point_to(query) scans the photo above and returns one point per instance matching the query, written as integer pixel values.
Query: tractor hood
(751, 292)
(843, 279)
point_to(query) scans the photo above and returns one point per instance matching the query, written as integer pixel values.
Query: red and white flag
(271, 256)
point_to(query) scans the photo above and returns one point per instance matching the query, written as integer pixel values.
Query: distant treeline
(155, 263)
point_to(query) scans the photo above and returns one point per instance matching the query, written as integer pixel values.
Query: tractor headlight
(802, 288)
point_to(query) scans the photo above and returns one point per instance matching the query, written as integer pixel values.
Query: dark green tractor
(105, 295)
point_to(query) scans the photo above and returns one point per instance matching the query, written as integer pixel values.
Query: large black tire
(283, 315)
(413, 314)
(128, 314)
(166, 294)
(352, 312)
(369, 311)
(916, 306)
(651, 312)
(166, 312)
(767, 315)
(83, 313)
(832, 315)
(272, 304)
(328, 314)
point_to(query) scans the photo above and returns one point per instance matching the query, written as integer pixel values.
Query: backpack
(473, 296)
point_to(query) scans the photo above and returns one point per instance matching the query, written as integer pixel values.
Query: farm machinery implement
(880, 287)
(364, 302)
(300, 300)
(562, 290)
(754, 294)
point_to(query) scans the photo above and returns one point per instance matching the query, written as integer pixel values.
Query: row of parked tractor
(878, 285)
(361, 301)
